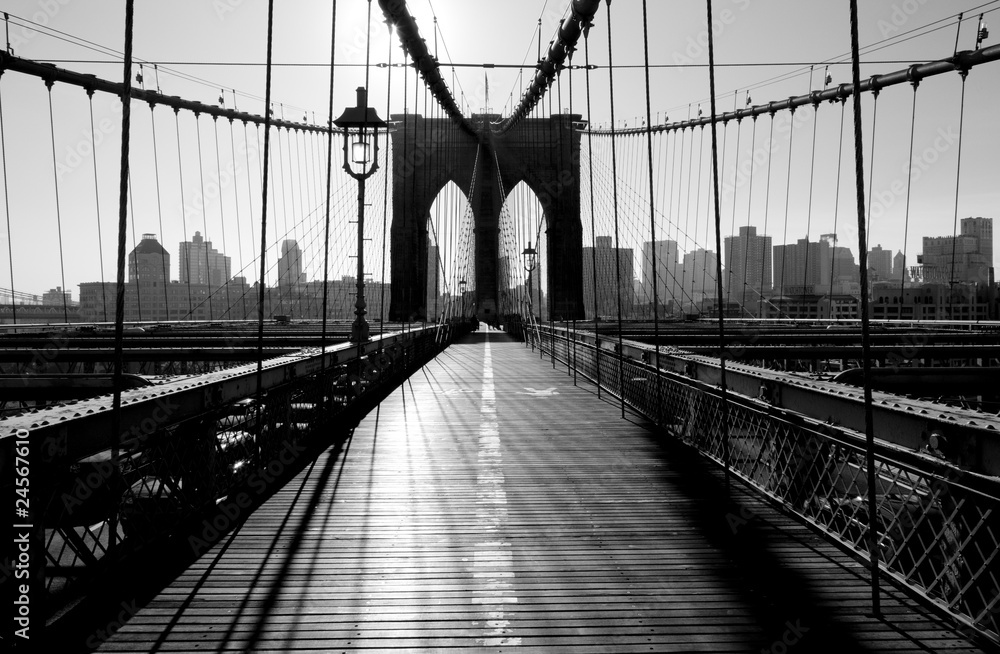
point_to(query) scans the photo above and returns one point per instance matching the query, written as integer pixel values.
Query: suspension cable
(119, 363)
(55, 178)
(718, 261)
(836, 202)
(204, 219)
(809, 210)
(263, 215)
(329, 181)
(97, 205)
(909, 184)
(614, 201)
(6, 200)
(958, 181)
(746, 245)
(859, 167)
(180, 185)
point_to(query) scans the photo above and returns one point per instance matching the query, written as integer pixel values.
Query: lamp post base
(360, 331)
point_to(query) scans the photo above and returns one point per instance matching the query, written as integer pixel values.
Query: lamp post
(530, 262)
(461, 289)
(361, 125)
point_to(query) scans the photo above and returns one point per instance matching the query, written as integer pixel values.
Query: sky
(764, 46)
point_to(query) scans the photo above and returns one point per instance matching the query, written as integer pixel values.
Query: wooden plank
(490, 505)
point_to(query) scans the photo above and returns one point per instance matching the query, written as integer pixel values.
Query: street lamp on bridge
(530, 263)
(461, 290)
(361, 126)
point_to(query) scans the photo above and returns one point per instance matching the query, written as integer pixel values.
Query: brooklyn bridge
(543, 326)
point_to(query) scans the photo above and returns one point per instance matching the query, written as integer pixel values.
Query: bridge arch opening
(449, 259)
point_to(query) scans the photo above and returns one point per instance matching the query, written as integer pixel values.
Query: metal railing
(193, 458)
(938, 524)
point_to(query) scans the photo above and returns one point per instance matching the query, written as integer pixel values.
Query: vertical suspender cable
(55, 178)
(329, 180)
(6, 200)
(187, 251)
(614, 204)
(263, 215)
(871, 165)
(809, 211)
(97, 205)
(859, 168)
(788, 195)
(767, 206)
(593, 227)
(227, 274)
(204, 219)
(390, 168)
(836, 201)
(736, 192)
(116, 402)
(746, 246)
(159, 210)
(718, 245)
(909, 184)
(652, 198)
(964, 72)
(236, 203)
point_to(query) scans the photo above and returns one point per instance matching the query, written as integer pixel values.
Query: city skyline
(199, 191)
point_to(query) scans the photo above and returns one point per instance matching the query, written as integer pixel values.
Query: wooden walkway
(489, 505)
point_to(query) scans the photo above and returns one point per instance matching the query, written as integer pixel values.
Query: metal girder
(85, 426)
(966, 437)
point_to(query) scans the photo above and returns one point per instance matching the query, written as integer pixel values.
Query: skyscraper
(879, 264)
(965, 258)
(748, 267)
(290, 265)
(899, 271)
(668, 286)
(433, 281)
(149, 262)
(200, 263)
(609, 282)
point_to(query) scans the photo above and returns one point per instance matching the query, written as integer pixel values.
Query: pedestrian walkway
(491, 505)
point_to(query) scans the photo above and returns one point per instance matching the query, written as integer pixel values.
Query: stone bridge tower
(544, 153)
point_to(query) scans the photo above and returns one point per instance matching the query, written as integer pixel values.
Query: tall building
(879, 264)
(899, 271)
(965, 258)
(748, 268)
(290, 264)
(609, 284)
(698, 274)
(809, 267)
(200, 263)
(798, 266)
(668, 284)
(149, 262)
(57, 297)
(433, 281)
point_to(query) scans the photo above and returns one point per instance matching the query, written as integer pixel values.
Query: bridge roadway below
(491, 505)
